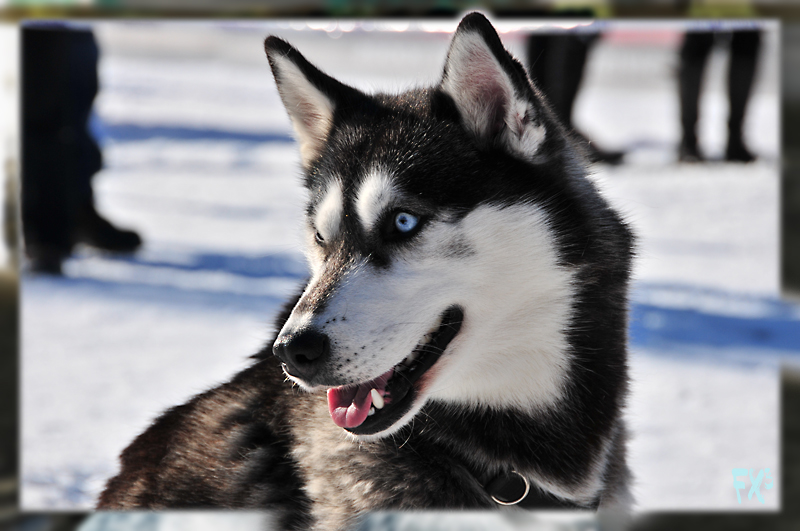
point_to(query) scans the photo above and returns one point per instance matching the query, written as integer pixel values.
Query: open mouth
(373, 406)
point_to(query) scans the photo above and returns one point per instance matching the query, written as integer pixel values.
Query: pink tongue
(349, 405)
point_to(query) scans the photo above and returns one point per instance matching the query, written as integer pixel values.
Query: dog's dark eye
(318, 238)
(405, 222)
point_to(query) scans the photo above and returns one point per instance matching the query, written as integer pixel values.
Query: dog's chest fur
(344, 478)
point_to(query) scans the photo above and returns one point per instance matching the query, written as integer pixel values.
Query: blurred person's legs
(59, 156)
(693, 56)
(744, 47)
(744, 56)
(556, 64)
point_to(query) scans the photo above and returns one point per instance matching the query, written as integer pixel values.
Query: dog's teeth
(410, 359)
(371, 412)
(377, 399)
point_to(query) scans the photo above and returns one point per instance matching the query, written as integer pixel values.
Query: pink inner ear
(311, 118)
(485, 94)
(495, 103)
(309, 108)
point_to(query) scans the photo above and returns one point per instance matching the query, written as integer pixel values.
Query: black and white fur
(516, 272)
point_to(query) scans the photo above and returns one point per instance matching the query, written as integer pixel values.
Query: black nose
(303, 352)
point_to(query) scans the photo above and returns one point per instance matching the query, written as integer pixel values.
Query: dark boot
(46, 259)
(689, 152)
(92, 229)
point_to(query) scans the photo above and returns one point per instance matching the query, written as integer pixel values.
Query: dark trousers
(555, 63)
(59, 156)
(694, 54)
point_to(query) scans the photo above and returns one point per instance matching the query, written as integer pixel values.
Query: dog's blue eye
(405, 222)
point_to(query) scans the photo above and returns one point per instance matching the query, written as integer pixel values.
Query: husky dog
(461, 342)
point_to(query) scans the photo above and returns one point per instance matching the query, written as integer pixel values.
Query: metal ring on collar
(524, 495)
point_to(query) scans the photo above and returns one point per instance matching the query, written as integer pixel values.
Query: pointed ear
(311, 98)
(491, 89)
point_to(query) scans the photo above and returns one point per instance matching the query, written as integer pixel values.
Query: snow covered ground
(199, 159)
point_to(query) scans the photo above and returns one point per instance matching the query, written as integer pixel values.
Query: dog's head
(435, 270)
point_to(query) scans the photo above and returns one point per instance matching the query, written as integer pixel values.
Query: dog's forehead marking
(374, 196)
(329, 211)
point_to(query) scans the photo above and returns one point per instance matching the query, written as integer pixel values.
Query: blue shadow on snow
(264, 266)
(657, 327)
(126, 132)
